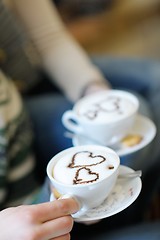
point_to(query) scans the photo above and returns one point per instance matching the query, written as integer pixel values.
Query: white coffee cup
(86, 173)
(105, 117)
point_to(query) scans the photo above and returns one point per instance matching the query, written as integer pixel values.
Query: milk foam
(84, 166)
(107, 107)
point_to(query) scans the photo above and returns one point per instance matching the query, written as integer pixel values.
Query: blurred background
(123, 28)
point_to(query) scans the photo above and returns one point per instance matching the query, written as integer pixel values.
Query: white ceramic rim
(86, 147)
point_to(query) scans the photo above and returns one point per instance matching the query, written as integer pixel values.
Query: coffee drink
(84, 167)
(105, 117)
(87, 173)
(109, 107)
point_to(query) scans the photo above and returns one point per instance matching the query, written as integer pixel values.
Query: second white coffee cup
(104, 117)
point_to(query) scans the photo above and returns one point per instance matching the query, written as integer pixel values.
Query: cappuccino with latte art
(84, 167)
(84, 172)
(105, 117)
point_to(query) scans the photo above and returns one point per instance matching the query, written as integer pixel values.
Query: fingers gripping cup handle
(83, 208)
(70, 121)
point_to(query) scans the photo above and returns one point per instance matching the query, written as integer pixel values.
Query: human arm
(62, 57)
(44, 221)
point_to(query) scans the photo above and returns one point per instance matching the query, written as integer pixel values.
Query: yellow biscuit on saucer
(131, 140)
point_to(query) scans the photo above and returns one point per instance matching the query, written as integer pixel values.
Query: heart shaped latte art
(85, 159)
(85, 175)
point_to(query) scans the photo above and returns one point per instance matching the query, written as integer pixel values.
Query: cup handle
(83, 208)
(70, 121)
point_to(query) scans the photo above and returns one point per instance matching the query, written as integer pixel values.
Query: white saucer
(143, 127)
(124, 194)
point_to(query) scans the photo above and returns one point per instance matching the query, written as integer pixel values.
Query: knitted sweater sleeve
(17, 163)
(62, 57)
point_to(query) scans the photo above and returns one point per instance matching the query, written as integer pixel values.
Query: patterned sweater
(17, 163)
(18, 58)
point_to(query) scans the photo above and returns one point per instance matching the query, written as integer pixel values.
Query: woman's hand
(44, 221)
(94, 87)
